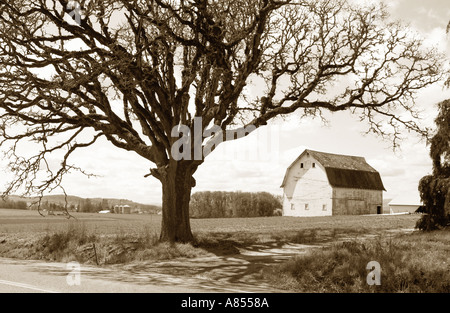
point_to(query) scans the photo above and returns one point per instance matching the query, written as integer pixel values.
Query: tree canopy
(139, 73)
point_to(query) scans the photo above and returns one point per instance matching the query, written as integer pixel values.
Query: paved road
(31, 277)
(231, 274)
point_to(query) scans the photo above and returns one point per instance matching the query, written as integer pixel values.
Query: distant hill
(84, 204)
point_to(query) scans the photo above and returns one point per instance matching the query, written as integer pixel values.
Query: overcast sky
(258, 162)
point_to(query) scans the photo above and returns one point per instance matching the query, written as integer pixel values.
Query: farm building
(122, 209)
(322, 184)
(407, 203)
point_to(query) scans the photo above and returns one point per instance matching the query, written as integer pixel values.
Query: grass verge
(79, 243)
(412, 263)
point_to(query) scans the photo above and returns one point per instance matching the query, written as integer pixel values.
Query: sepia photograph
(225, 154)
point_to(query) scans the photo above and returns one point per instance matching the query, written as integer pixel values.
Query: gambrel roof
(345, 171)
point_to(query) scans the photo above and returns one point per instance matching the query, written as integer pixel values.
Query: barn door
(379, 209)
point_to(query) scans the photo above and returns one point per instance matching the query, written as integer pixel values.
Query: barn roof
(407, 198)
(345, 171)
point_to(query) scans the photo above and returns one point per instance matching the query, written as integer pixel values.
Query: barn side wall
(348, 201)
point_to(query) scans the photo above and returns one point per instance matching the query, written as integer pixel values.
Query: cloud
(393, 172)
(424, 15)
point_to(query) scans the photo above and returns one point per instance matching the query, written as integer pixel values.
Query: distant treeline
(88, 205)
(78, 205)
(23, 205)
(11, 204)
(97, 205)
(216, 204)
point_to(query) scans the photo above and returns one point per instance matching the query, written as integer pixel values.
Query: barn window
(306, 206)
(324, 207)
(314, 165)
(301, 165)
(292, 206)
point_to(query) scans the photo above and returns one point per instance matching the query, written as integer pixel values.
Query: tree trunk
(177, 183)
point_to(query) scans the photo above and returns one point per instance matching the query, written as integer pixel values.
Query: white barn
(323, 184)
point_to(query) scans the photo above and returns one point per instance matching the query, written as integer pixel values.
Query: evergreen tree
(435, 188)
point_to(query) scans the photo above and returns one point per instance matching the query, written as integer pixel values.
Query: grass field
(20, 230)
(23, 223)
(350, 241)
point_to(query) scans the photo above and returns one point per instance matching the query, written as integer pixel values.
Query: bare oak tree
(141, 73)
